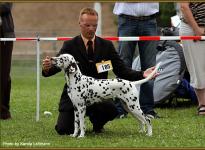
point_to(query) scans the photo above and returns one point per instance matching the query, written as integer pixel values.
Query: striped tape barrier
(111, 38)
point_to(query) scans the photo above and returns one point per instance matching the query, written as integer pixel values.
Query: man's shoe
(152, 115)
(98, 129)
(5, 116)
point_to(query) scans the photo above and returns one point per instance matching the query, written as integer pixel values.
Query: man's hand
(148, 71)
(47, 64)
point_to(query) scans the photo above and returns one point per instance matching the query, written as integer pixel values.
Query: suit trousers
(5, 68)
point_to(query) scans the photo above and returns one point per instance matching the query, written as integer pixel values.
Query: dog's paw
(142, 128)
(149, 134)
(142, 131)
(73, 135)
(81, 136)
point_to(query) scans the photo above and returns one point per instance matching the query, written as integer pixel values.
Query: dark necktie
(90, 50)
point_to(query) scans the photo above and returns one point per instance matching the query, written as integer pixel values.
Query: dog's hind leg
(149, 126)
(142, 126)
(146, 121)
(82, 121)
(138, 114)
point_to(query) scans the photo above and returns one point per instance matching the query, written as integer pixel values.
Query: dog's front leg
(82, 121)
(76, 123)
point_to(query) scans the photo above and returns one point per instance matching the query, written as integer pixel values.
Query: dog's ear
(72, 68)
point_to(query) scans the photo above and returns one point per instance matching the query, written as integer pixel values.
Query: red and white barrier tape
(111, 38)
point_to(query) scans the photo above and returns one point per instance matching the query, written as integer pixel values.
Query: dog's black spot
(90, 83)
(79, 88)
(135, 99)
(77, 115)
(88, 102)
(119, 80)
(107, 89)
(90, 91)
(61, 60)
(124, 91)
(148, 120)
(82, 110)
(98, 96)
(75, 109)
(127, 99)
(95, 94)
(78, 122)
(83, 86)
(132, 106)
(107, 95)
(82, 94)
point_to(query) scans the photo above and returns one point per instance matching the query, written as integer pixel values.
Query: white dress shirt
(136, 9)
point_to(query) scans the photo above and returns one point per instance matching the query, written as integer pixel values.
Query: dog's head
(66, 62)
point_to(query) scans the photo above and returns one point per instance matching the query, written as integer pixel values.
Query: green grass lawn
(179, 127)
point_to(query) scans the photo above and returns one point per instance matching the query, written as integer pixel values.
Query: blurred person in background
(139, 19)
(193, 24)
(6, 31)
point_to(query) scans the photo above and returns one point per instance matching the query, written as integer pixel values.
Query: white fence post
(97, 7)
(38, 78)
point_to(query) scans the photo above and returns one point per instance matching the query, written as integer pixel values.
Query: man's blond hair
(88, 11)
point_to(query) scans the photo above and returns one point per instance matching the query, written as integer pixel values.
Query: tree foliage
(166, 11)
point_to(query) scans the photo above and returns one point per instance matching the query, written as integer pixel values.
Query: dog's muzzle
(53, 61)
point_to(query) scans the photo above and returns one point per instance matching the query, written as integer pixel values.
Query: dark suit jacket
(103, 50)
(7, 20)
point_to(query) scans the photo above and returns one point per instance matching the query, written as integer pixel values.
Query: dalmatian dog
(84, 91)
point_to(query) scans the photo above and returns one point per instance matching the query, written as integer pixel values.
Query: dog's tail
(149, 76)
